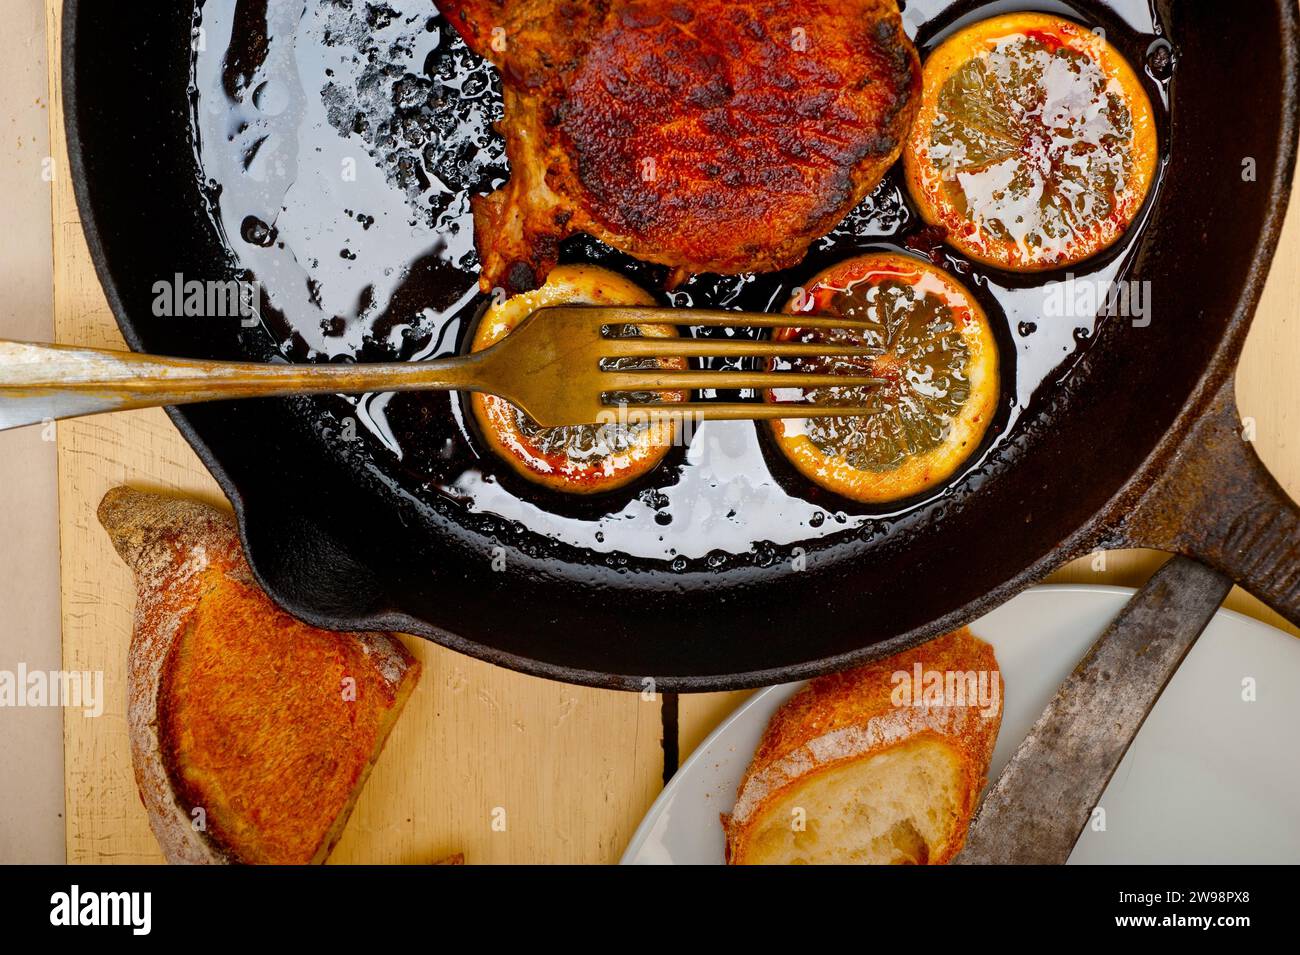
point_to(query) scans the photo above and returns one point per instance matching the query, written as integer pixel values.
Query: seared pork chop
(709, 136)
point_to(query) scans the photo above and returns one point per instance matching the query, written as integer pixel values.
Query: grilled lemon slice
(939, 363)
(583, 459)
(1035, 145)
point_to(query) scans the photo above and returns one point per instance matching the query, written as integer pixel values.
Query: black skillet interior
(342, 538)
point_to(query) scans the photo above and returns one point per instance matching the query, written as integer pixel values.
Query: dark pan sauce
(340, 143)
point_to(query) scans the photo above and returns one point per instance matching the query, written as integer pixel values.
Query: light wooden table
(575, 769)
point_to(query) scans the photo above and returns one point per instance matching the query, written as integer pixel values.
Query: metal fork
(557, 365)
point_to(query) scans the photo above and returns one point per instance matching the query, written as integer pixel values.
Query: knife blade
(1034, 812)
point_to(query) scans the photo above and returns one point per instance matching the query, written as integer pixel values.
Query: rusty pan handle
(1219, 505)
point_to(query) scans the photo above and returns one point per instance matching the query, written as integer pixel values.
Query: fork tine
(748, 410)
(751, 320)
(647, 315)
(728, 348)
(654, 379)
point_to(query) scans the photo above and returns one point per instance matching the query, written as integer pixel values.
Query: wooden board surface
(574, 769)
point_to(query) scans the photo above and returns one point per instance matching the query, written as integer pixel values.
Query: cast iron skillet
(1140, 448)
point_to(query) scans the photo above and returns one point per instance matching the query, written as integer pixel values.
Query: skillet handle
(1218, 504)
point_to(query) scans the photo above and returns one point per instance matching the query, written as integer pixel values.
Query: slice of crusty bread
(846, 773)
(252, 734)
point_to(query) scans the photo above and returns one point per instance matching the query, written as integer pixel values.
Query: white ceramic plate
(1211, 778)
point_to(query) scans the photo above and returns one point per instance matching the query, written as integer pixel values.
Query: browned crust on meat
(703, 138)
(710, 136)
(234, 707)
(530, 41)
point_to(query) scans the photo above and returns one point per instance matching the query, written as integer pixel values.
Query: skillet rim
(1098, 528)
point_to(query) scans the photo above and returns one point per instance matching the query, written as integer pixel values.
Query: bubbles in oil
(256, 232)
(346, 149)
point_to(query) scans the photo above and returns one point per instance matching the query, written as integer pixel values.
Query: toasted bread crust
(851, 716)
(235, 708)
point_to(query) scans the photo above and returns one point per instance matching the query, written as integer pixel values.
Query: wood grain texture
(572, 769)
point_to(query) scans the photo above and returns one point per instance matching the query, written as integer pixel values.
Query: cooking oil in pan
(344, 142)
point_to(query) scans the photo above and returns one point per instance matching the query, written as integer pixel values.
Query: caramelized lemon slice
(586, 459)
(1035, 145)
(940, 365)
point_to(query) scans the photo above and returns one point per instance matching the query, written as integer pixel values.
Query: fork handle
(41, 383)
